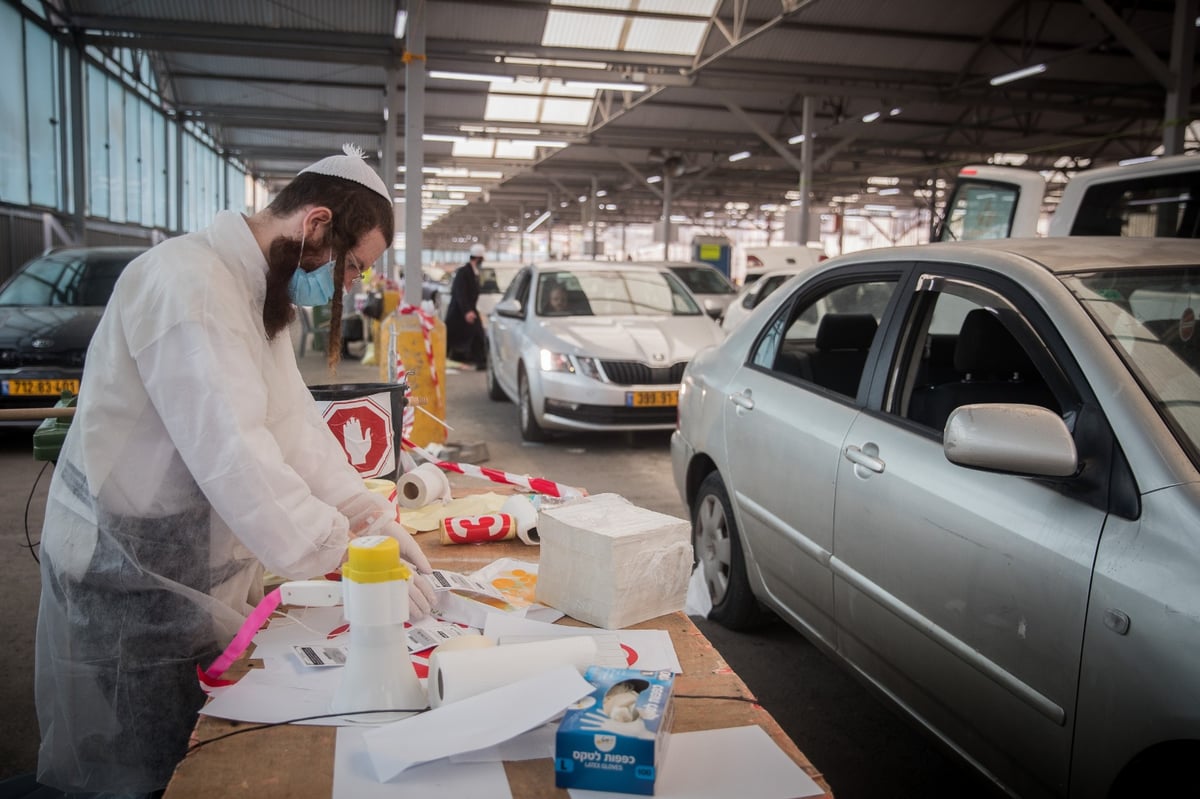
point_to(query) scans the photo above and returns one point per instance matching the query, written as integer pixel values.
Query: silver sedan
(594, 346)
(971, 473)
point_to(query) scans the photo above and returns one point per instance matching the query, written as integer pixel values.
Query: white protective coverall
(196, 457)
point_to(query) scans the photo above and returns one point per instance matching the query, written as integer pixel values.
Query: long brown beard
(283, 257)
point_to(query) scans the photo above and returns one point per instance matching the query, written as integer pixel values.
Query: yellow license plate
(652, 399)
(39, 388)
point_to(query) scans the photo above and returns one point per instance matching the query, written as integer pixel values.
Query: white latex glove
(420, 591)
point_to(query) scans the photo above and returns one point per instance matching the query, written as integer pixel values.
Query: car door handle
(743, 400)
(865, 458)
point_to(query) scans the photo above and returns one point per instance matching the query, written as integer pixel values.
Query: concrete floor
(863, 748)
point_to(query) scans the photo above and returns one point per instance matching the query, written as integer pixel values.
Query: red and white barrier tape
(536, 484)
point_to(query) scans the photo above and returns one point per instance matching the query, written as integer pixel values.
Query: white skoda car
(594, 346)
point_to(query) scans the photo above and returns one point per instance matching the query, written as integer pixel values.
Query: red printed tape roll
(478, 529)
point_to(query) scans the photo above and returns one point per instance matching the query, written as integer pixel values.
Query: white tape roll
(525, 515)
(459, 674)
(421, 486)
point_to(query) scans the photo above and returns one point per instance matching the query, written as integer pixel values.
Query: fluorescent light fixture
(799, 137)
(744, 154)
(1141, 160)
(601, 193)
(583, 198)
(1018, 74)
(401, 23)
(886, 192)
(537, 222)
(654, 179)
(871, 117)
(441, 137)
(464, 188)
(883, 209)
(616, 87)
(883, 180)
(895, 112)
(471, 76)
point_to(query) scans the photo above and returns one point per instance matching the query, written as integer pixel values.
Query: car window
(964, 345)
(615, 292)
(518, 289)
(704, 280)
(495, 279)
(1150, 318)
(825, 339)
(65, 281)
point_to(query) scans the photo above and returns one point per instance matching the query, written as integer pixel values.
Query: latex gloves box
(610, 563)
(615, 738)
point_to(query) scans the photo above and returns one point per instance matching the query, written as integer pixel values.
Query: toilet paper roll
(525, 515)
(463, 673)
(421, 486)
(478, 529)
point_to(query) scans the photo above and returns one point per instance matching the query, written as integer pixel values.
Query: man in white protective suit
(196, 458)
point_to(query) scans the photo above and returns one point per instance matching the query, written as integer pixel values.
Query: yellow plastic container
(426, 392)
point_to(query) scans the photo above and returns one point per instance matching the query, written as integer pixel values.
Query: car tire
(718, 551)
(530, 429)
(494, 391)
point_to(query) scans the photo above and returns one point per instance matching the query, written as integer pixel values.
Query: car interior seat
(842, 343)
(992, 367)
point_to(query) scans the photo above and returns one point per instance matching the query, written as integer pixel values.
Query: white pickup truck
(1149, 198)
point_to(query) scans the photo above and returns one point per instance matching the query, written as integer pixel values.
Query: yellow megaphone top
(375, 559)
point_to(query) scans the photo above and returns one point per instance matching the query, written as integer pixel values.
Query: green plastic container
(48, 438)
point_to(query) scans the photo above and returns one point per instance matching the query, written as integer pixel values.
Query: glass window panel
(116, 151)
(173, 176)
(133, 158)
(45, 129)
(150, 146)
(159, 176)
(14, 168)
(699, 8)
(96, 131)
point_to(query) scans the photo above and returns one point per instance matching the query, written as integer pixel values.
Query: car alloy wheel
(719, 552)
(530, 429)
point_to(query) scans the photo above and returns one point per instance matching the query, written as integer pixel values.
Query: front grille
(611, 414)
(635, 373)
(13, 359)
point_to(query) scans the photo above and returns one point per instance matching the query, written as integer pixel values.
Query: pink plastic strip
(257, 618)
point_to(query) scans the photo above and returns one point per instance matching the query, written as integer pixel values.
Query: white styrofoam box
(611, 564)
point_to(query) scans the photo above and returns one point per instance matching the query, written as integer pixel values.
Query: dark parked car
(49, 310)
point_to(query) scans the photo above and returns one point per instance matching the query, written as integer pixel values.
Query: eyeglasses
(353, 264)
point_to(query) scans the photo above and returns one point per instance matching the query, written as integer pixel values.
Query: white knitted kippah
(351, 166)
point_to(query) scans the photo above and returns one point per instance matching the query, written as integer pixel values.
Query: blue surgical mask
(313, 288)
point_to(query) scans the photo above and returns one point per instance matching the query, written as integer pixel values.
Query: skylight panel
(665, 36)
(511, 108)
(514, 149)
(474, 148)
(561, 111)
(695, 8)
(573, 29)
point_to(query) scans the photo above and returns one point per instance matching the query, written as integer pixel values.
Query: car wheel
(530, 429)
(494, 392)
(719, 553)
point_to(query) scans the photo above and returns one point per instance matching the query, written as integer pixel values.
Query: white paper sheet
(303, 626)
(353, 777)
(646, 650)
(473, 723)
(537, 743)
(717, 764)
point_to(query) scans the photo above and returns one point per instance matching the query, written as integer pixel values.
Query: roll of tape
(463, 673)
(478, 529)
(525, 515)
(421, 486)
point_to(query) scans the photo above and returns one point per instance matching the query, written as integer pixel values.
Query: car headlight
(588, 367)
(556, 362)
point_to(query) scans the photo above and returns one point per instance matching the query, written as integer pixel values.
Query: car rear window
(65, 281)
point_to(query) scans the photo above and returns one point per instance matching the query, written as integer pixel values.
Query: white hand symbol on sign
(357, 443)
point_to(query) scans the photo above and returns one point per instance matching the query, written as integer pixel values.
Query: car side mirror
(1017, 439)
(511, 308)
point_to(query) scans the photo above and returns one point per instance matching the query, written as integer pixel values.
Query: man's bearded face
(283, 258)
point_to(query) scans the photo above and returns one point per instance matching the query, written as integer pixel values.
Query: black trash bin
(396, 401)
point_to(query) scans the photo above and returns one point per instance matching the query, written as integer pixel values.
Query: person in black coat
(465, 339)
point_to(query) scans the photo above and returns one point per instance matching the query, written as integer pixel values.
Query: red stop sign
(363, 427)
